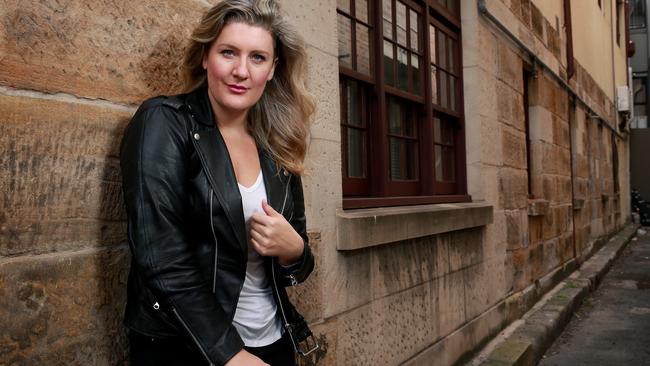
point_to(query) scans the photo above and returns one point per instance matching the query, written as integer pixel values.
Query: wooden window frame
(377, 189)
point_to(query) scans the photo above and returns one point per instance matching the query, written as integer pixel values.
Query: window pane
(449, 164)
(394, 116)
(432, 44)
(389, 73)
(445, 164)
(442, 50)
(443, 91)
(403, 155)
(450, 53)
(639, 90)
(438, 163)
(637, 16)
(345, 41)
(362, 10)
(355, 149)
(343, 5)
(434, 85)
(443, 132)
(400, 13)
(402, 69)
(387, 15)
(416, 74)
(363, 49)
(452, 93)
(353, 104)
(415, 26)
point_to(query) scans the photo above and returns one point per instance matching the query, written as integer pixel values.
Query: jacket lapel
(217, 165)
(273, 181)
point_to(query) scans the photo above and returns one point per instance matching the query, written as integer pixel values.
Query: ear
(204, 62)
(275, 62)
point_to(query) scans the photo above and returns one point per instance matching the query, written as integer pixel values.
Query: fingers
(268, 209)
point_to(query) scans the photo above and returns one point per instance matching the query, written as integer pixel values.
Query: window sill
(364, 228)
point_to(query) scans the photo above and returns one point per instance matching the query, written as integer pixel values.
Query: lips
(237, 89)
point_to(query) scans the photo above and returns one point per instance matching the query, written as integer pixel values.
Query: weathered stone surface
(62, 177)
(64, 309)
(513, 184)
(308, 296)
(408, 264)
(122, 50)
(390, 330)
(509, 67)
(465, 248)
(451, 302)
(514, 148)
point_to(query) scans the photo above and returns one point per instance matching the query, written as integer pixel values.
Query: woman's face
(239, 63)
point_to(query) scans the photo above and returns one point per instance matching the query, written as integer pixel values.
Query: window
(402, 123)
(637, 15)
(639, 85)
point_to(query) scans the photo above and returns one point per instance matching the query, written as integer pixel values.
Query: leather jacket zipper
(216, 245)
(193, 336)
(275, 283)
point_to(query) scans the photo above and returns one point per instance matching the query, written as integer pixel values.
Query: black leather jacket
(186, 227)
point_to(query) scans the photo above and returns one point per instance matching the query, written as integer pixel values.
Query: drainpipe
(570, 66)
(482, 8)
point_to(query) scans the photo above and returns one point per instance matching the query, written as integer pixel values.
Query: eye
(227, 52)
(258, 58)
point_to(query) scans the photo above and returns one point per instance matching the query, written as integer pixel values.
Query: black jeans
(279, 353)
(149, 351)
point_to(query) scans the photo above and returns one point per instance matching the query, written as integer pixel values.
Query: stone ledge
(537, 207)
(363, 228)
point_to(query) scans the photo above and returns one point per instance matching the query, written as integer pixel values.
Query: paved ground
(612, 327)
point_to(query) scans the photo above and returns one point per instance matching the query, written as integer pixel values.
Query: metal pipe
(482, 8)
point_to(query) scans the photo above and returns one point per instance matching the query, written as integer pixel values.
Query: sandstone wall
(72, 73)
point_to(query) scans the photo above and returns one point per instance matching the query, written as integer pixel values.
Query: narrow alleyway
(612, 327)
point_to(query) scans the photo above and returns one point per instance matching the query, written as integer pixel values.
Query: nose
(241, 69)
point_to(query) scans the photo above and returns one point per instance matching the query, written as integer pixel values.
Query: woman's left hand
(272, 235)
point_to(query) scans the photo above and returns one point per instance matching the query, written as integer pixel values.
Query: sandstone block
(390, 330)
(535, 229)
(123, 51)
(62, 171)
(308, 296)
(465, 248)
(505, 101)
(451, 302)
(513, 186)
(509, 66)
(64, 309)
(514, 148)
(514, 229)
(407, 264)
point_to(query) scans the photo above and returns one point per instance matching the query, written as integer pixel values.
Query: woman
(214, 199)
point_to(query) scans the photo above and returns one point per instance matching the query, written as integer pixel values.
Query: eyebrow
(228, 45)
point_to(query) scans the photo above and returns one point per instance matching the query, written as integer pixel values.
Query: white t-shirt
(256, 317)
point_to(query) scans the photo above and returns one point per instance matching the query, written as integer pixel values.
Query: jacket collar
(219, 170)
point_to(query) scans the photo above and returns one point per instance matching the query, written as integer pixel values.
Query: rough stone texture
(63, 309)
(62, 185)
(122, 51)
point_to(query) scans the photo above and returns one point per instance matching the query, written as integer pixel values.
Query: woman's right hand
(244, 358)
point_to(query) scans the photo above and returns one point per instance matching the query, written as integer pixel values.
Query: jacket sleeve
(153, 158)
(298, 272)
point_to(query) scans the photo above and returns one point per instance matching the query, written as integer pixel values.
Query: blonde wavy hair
(279, 121)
